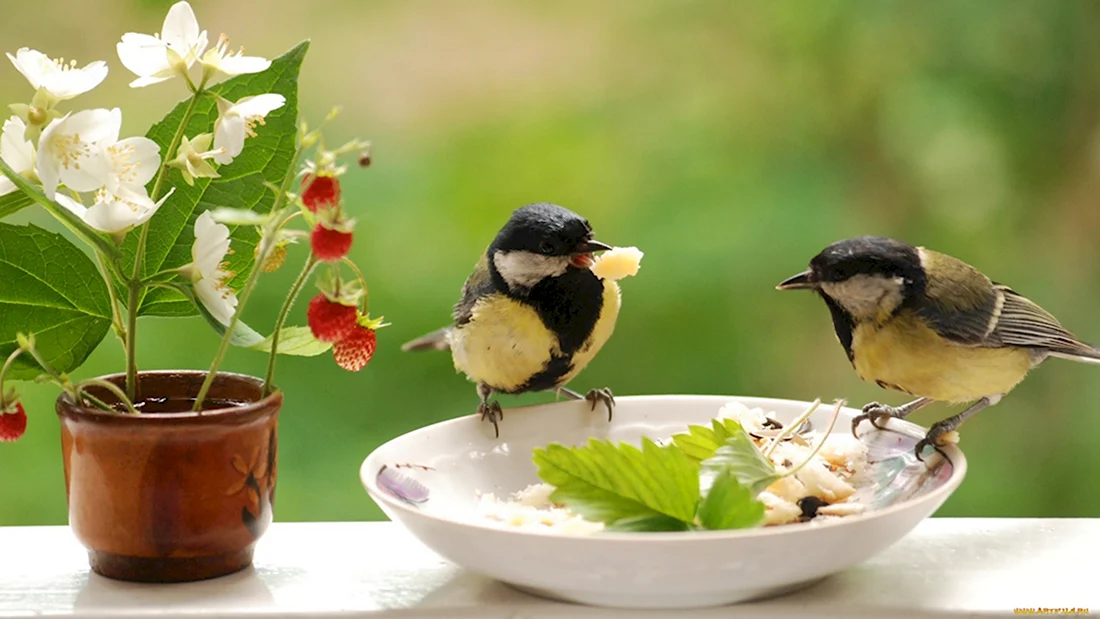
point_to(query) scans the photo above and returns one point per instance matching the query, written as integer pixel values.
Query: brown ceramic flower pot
(170, 495)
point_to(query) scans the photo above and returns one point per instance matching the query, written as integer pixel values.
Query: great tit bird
(532, 313)
(932, 326)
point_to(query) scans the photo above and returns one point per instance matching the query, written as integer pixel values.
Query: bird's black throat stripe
(569, 305)
(843, 324)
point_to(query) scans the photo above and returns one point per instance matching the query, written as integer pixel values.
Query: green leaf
(75, 224)
(652, 488)
(13, 203)
(266, 158)
(51, 289)
(739, 456)
(730, 505)
(298, 341)
(700, 442)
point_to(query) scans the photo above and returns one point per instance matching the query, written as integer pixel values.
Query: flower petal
(6, 186)
(143, 55)
(121, 211)
(49, 168)
(33, 64)
(238, 65)
(219, 302)
(141, 82)
(210, 246)
(260, 105)
(15, 150)
(66, 84)
(135, 160)
(229, 133)
(181, 28)
(72, 205)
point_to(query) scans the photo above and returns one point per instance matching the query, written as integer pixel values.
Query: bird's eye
(547, 247)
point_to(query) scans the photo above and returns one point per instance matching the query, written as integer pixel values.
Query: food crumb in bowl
(531, 509)
(822, 489)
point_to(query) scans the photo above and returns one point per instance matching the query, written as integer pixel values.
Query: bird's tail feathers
(436, 340)
(1084, 357)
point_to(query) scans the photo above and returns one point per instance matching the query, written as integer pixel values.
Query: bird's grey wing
(961, 308)
(1021, 322)
(477, 285)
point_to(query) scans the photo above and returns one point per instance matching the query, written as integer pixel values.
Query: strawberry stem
(296, 288)
(267, 242)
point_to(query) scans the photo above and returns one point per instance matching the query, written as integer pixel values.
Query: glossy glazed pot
(171, 495)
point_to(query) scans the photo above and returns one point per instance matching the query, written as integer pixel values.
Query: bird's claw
(493, 413)
(932, 439)
(878, 414)
(595, 396)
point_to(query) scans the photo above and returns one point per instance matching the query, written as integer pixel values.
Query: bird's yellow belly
(504, 344)
(916, 360)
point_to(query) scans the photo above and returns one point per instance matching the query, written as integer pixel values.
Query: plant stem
(832, 421)
(97, 402)
(61, 381)
(136, 285)
(362, 283)
(3, 374)
(109, 386)
(291, 297)
(152, 279)
(267, 241)
(116, 309)
(791, 427)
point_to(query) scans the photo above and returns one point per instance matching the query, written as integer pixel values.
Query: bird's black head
(867, 276)
(542, 240)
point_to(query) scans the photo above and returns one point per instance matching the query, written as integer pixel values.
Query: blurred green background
(730, 141)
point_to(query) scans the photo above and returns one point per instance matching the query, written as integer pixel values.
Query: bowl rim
(938, 495)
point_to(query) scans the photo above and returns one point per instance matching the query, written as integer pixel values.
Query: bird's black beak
(803, 281)
(590, 246)
(581, 256)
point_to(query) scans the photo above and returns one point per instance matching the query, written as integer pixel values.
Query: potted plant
(170, 475)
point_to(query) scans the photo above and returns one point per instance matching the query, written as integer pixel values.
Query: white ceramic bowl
(644, 570)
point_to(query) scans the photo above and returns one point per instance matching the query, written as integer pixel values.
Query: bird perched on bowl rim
(532, 314)
(924, 323)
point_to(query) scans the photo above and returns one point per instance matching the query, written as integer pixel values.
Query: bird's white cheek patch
(524, 269)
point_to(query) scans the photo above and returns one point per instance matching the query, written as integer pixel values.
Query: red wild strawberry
(329, 245)
(354, 351)
(330, 321)
(13, 423)
(320, 191)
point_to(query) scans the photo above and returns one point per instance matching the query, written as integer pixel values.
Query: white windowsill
(948, 567)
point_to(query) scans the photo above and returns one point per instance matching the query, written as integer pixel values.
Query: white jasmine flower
(191, 158)
(160, 57)
(220, 61)
(68, 150)
(236, 121)
(207, 270)
(62, 81)
(17, 152)
(116, 212)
